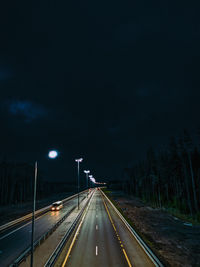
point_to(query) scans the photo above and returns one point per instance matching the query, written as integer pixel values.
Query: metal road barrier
(52, 259)
(37, 243)
(144, 246)
(25, 254)
(29, 216)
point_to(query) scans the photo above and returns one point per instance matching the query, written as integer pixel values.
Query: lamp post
(86, 172)
(52, 154)
(33, 215)
(90, 176)
(78, 162)
(92, 179)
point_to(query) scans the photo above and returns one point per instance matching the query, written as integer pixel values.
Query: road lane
(13, 243)
(102, 239)
(96, 246)
(134, 251)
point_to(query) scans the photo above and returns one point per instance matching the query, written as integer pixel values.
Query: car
(57, 206)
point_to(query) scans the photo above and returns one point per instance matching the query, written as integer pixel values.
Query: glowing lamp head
(79, 160)
(92, 180)
(53, 154)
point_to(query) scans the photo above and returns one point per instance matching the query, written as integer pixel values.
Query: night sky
(102, 80)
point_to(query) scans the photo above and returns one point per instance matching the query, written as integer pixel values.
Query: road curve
(102, 239)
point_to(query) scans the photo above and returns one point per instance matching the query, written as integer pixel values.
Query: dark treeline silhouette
(169, 178)
(16, 184)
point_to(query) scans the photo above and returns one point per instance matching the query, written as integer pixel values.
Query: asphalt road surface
(102, 240)
(14, 241)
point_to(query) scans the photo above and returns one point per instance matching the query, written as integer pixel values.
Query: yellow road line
(70, 248)
(126, 257)
(129, 264)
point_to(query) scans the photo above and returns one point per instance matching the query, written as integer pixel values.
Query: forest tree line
(169, 178)
(16, 184)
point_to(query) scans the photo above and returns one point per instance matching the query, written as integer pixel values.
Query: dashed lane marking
(119, 240)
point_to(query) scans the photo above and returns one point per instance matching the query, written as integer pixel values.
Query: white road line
(96, 227)
(96, 215)
(96, 250)
(30, 222)
(14, 231)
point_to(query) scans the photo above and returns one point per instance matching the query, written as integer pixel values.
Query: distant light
(53, 154)
(79, 160)
(92, 179)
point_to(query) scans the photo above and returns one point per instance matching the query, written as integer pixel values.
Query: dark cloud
(5, 74)
(25, 109)
(101, 80)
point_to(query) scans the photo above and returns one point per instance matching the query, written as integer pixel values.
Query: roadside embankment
(176, 241)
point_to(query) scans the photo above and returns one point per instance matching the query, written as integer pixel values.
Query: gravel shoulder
(177, 242)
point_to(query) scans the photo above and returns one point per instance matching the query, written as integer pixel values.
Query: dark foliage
(16, 184)
(169, 178)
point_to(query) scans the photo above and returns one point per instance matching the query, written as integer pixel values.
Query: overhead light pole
(87, 172)
(92, 179)
(33, 214)
(52, 154)
(90, 176)
(78, 162)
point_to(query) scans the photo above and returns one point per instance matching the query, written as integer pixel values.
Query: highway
(102, 239)
(15, 240)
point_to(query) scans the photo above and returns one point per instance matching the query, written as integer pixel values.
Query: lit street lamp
(52, 154)
(92, 179)
(86, 172)
(90, 176)
(78, 161)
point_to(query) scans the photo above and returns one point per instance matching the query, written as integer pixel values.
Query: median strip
(54, 257)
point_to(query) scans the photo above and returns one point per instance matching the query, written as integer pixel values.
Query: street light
(90, 176)
(92, 179)
(78, 161)
(86, 172)
(52, 154)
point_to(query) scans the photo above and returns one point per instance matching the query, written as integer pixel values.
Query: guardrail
(29, 216)
(52, 259)
(26, 253)
(144, 246)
